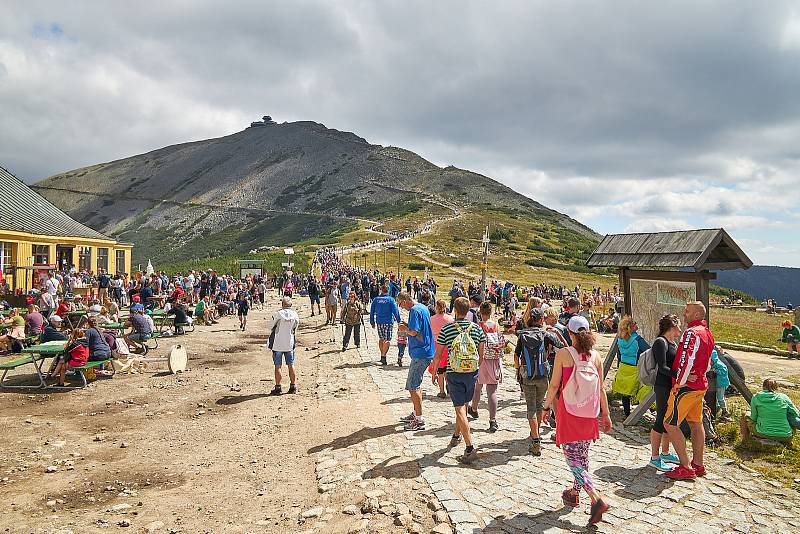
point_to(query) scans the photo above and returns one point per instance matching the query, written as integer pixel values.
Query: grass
(747, 327)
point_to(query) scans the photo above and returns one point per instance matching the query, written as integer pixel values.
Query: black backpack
(534, 355)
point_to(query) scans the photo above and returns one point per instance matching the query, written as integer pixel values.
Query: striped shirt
(449, 333)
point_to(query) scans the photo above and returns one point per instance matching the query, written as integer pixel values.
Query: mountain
(763, 281)
(301, 182)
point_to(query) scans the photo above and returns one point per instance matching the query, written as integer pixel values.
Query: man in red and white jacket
(691, 364)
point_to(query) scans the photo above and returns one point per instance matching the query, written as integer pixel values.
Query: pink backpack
(581, 393)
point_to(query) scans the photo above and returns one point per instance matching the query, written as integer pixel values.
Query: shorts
(385, 331)
(139, 337)
(314, 300)
(416, 371)
(534, 390)
(279, 356)
(461, 387)
(687, 404)
(243, 311)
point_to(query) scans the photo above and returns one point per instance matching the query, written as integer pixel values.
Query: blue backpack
(535, 357)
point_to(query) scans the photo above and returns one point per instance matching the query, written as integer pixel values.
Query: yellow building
(36, 237)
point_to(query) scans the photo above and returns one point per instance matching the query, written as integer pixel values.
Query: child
(402, 341)
(723, 381)
(75, 354)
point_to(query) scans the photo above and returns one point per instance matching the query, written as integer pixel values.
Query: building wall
(22, 247)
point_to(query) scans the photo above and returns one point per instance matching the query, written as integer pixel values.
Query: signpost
(485, 243)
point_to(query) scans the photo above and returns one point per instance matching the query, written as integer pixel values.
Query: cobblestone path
(510, 491)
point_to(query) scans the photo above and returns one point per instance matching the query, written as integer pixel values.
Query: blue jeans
(416, 372)
(279, 356)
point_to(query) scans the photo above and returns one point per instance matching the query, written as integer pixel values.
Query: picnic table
(113, 326)
(74, 319)
(35, 355)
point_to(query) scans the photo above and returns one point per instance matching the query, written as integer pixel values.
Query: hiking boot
(725, 416)
(468, 457)
(535, 448)
(681, 473)
(408, 418)
(699, 470)
(399, 362)
(275, 391)
(670, 458)
(660, 464)
(599, 507)
(384, 362)
(455, 440)
(493, 427)
(472, 413)
(292, 388)
(570, 497)
(344, 348)
(418, 423)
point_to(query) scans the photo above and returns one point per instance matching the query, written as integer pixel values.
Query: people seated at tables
(79, 304)
(770, 416)
(181, 317)
(52, 331)
(112, 309)
(142, 328)
(34, 321)
(66, 305)
(146, 294)
(176, 295)
(13, 339)
(75, 354)
(99, 347)
(205, 311)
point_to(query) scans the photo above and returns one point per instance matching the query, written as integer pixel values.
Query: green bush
(457, 263)
(416, 266)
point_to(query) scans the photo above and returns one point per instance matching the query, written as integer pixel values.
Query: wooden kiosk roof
(695, 250)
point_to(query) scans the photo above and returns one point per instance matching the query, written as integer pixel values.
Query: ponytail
(583, 341)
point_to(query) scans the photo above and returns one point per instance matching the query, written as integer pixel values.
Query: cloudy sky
(630, 116)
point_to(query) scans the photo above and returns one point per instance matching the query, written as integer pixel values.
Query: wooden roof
(697, 250)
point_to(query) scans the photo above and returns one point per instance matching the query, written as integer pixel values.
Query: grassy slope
(747, 327)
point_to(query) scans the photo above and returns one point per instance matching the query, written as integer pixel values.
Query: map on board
(651, 300)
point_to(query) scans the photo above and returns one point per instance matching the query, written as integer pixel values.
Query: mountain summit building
(37, 237)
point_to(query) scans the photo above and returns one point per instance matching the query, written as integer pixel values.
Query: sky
(627, 115)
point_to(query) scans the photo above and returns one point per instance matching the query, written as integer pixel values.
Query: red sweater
(694, 356)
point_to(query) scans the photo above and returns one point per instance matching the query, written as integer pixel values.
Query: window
(120, 261)
(41, 254)
(102, 258)
(6, 257)
(84, 258)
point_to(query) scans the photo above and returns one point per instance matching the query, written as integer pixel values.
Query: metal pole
(485, 241)
(384, 262)
(398, 260)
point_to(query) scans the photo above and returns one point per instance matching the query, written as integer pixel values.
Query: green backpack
(462, 355)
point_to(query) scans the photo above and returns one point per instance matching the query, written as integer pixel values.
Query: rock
(99, 437)
(440, 516)
(434, 504)
(124, 523)
(442, 528)
(350, 509)
(374, 494)
(369, 506)
(51, 503)
(402, 509)
(359, 526)
(154, 526)
(50, 469)
(29, 420)
(123, 445)
(403, 520)
(313, 512)
(415, 528)
(120, 507)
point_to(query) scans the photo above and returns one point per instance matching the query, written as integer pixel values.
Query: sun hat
(578, 323)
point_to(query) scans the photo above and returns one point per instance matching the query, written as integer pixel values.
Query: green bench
(35, 355)
(80, 371)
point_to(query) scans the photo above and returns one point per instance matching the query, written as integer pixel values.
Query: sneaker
(472, 413)
(535, 448)
(599, 507)
(455, 440)
(468, 457)
(670, 458)
(493, 427)
(344, 349)
(570, 497)
(275, 391)
(681, 473)
(358, 346)
(660, 464)
(417, 423)
(699, 470)
(292, 388)
(408, 418)
(399, 362)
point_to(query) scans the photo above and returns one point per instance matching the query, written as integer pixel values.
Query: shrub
(416, 266)
(457, 263)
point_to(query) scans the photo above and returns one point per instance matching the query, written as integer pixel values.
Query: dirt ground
(209, 451)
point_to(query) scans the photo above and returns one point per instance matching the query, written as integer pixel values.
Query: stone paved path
(510, 491)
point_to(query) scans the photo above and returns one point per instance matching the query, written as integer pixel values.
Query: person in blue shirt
(394, 288)
(421, 349)
(344, 289)
(384, 312)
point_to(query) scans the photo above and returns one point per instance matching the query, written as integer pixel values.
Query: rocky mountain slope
(274, 184)
(763, 282)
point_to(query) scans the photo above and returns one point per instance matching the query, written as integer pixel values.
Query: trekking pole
(364, 333)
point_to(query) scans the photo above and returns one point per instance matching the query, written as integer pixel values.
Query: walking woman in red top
(577, 382)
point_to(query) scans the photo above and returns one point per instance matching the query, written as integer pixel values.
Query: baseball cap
(578, 323)
(55, 319)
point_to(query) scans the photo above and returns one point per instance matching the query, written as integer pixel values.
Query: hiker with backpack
(655, 368)
(626, 380)
(578, 385)
(531, 358)
(465, 342)
(490, 366)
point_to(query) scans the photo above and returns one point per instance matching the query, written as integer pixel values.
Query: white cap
(578, 323)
